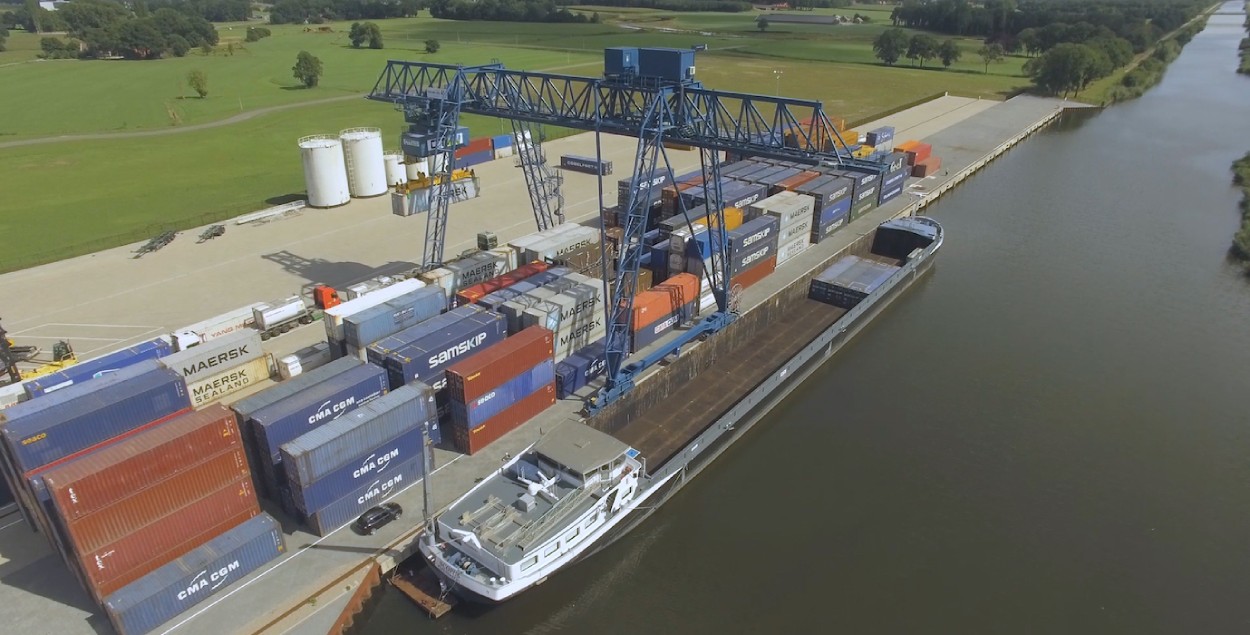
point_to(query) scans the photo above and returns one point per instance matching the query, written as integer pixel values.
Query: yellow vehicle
(11, 355)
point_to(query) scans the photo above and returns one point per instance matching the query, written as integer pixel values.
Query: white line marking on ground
(16, 522)
(292, 557)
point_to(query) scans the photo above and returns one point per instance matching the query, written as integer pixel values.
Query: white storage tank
(366, 168)
(325, 171)
(395, 173)
(415, 168)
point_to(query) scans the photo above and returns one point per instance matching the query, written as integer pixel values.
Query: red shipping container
(926, 167)
(795, 181)
(650, 306)
(162, 499)
(130, 464)
(681, 289)
(479, 374)
(472, 294)
(918, 153)
(755, 274)
(114, 566)
(470, 441)
(474, 146)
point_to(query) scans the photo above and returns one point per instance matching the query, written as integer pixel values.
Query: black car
(377, 517)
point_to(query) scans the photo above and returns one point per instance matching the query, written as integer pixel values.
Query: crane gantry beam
(655, 111)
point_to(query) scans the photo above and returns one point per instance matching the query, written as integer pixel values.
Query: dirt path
(241, 117)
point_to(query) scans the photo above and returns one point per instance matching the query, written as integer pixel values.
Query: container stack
(864, 194)
(920, 158)
(370, 325)
(334, 316)
(895, 178)
(848, 281)
(794, 214)
(569, 305)
(470, 295)
(474, 152)
(502, 145)
(222, 367)
(580, 368)
(880, 138)
(753, 250)
(659, 310)
(160, 596)
(423, 352)
(831, 204)
(317, 405)
(494, 392)
(339, 470)
(87, 370)
(470, 270)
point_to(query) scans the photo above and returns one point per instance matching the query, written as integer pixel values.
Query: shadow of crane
(331, 273)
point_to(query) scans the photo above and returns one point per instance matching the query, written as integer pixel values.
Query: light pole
(777, 75)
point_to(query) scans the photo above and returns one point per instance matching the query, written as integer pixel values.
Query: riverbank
(1147, 69)
(1240, 248)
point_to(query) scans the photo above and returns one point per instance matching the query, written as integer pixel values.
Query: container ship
(578, 488)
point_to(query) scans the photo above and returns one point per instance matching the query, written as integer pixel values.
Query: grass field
(74, 197)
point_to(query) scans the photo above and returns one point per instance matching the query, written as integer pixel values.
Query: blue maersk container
(348, 508)
(40, 431)
(475, 413)
(351, 476)
(368, 326)
(319, 405)
(429, 355)
(320, 452)
(98, 367)
(160, 596)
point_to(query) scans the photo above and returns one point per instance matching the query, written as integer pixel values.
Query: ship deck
(716, 390)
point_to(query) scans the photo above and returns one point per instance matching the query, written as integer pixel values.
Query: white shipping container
(334, 315)
(11, 394)
(503, 152)
(441, 278)
(556, 246)
(679, 237)
(525, 242)
(213, 328)
(793, 248)
(228, 382)
(209, 359)
(508, 254)
(304, 360)
(800, 227)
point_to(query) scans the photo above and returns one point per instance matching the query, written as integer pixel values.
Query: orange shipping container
(926, 167)
(921, 151)
(791, 183)
(681, 289)
(755, 274)
(649, 306)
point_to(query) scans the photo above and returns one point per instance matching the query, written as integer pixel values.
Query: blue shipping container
(501, 141)
(40, 431)
(475, 158)
(651, 333)
(347, 509)
(374, 464)
(324, 449)
(669, 64)
(475, 413)
(160, 596)
(98, 367)
(378, 350)
(428, 356)
(326, 402)
(832, 217)
(889, 193)
(245, 408)
(368, 326)
(566, 378)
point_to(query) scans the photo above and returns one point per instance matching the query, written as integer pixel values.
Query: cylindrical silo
(325, 171)
(416, 168)
(395, 174)
(366, 169)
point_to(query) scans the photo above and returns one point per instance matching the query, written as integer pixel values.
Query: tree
(4, 35)
(990, 53)
(761, 23)
(1065, 68)
(922, 47)
(307, 69)
(356, 35)
(198, 81)
(432, 46)
(206, 48)
(1031, 41)
(374, 35)
(177, 45)
(949, 53)
(890, 46)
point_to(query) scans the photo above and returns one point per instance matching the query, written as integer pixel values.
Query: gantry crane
(654, 102)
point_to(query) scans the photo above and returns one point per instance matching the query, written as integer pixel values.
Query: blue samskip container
(379, 350)
(889, 193)
(348, 508)
(475, 413)
(653, 332)
(428, 356)
(98, 367)
(160, 596)
(317, 406)
(75, 418)
(339, 442)
(831, 218)
(373, 464)
(368, 326)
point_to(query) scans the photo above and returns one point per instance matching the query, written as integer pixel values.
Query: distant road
(241, 117)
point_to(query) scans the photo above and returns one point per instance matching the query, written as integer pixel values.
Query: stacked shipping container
(494, 392)
(221, 367)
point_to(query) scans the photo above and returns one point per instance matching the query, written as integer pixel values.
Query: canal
(1050, 435)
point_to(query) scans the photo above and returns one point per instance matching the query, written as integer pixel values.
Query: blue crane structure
(650, 94)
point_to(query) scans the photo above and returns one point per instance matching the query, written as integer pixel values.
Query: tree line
(723, 6)
(32, 18)
(505, 11)
(105, 28)
(318, 11)
(994, 18)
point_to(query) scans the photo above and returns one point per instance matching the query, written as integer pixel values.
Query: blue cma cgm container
(339, 442)
(473, 414)
(356, 473)
(286, 420)
(580, 369)
(427, 357)
(368, 326)
(97, 367)
(40, 431)
(348, 508)
(160, 596)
